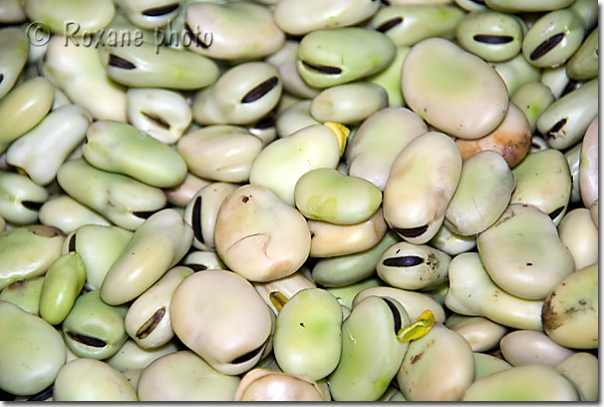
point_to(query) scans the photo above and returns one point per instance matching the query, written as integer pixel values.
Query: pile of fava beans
(275, 200)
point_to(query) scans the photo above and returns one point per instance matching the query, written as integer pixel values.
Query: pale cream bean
(277, 292)
(452, 89)
(511, 138)
(437, 367)
(573, 158)
(516, 73)
(473, 293)
(335, 56)
(31, 351)
(583, 65)
(25, 294)
(184, 376)
(351, 268)
(133, 377)
(538, 143)
(250, 239)
(588, 165)
(299, 18)
(533, 99)
(484, 191)
(578, 232)
(221, 317)
(570, 312)
(415, 303)
(566, 120)
(308, 335)
(201, 211)
(523, 253)
(266, 385)
(582, 369)
(481, 333)
(532, 348)
(452, 243)
(73, 18)
(156, 246)
(543, 180)
(523, 383)
(422, 181)
(123, 149)
(20, 198)
(378, 141)
(28, 251)
(558, 81)
(486, 365)
(11, 12)
(413, 267)
(68, 214)
(199, 260)
(91, 380)
(349, 103)
(516, 6)
(14, 48)
(406, 25)
(294, 118)
(131, 356)
(148, 318)
(285, 61)
(162, 114)
(232, 31)
(593, 211)
(148, 64)
(282, 163)
(371, 351)
(222, 153)
(98, 246)
(79, 73)
(389, 78)
(150, 14)
(324, 194)
(264, 128)
(119, 198)
(61, 99)
(24, 107)
(61, 131)
(242, 95)
(181, 194)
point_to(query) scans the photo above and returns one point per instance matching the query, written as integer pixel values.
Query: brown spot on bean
(416, 358)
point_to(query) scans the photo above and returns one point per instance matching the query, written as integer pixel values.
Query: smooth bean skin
(346, 294)
(371, 352)
(250, 240)
(223, 153)
(133, 357)
(31, 352)
(582, 370)
(219, 315)
(573, 158)
(98, 246)
(325, 194)
(532, 348)
(266, 385)
(413, 267)
(20, 198)
(91, 380)
(67, 214)
(378, 141)
(341, 55)
(437, 367)
(12, 12)
(28, 252)
(583, 65)
(25, 294)
(150, 14)
(484, 191)
(275, 292)
(14, 47)
(472, 292)
(447, 87)
(481, 333)
(283, 162)
(63, 282)
(203, 260)
(515, 6)
(285, 61)
(340, 103)
(571, 310)
(24, 107)
(299, 18)
(93, 329)
(419, 190)
(579, 233)
(73, 17)
(308, 336)
(486, 364)
(516, 72)
(294, 118)
(181, 194)
(523, 383)
(588, 165)
(155, 247)
(389, 78)
(533, 99)
(184, 376)
(148, 320)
